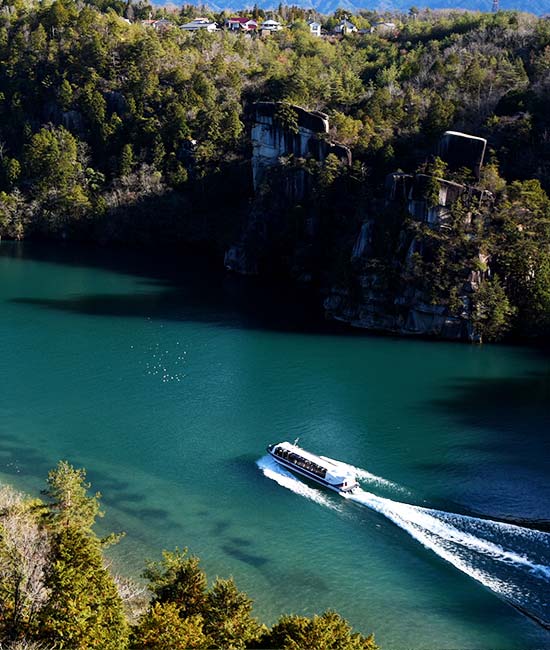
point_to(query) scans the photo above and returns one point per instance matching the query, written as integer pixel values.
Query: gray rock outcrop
(272, 139)
(462, 150)
(429, 200)
(303, 135)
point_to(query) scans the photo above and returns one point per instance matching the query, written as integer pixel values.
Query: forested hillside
(115, 131)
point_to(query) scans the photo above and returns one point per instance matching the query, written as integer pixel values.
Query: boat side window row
(297, 460)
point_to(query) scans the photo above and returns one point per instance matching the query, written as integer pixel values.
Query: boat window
(297, 460)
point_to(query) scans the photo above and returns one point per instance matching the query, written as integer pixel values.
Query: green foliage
(51, 161)
(83, 609)
(436, 170)
(326, 632)
(14, 217)
(178, 579)
(163, 626)
(227, 616)
(347, 129)
(57, 592)
(329, 171)
(126, 160)
(523, 254)
(11, 171)
(287, 117)
(492, 310)
(65, 94)
(97, 116)
(223, 613)
(69, 506)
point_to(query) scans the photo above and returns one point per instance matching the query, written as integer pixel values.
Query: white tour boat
(325, 471)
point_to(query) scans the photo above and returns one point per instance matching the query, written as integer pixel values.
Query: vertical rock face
(408, 309)
(272, 139)
(437, 213)
(280, 131)
(388, 286)
(462, 150)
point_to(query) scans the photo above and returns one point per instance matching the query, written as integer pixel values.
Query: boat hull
(303, 472)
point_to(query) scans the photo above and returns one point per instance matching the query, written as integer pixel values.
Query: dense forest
(112, 130)
(58, 591)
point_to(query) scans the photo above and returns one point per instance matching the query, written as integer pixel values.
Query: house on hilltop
(383, 28)
(199, 23)
(314, 27)
(239, 23)
(162, 25)
(345, 27)
(271, 26)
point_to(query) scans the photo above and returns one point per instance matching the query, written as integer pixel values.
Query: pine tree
(227, 614)
(163, 628)
(83, 609)
(326, 632)
(126, 160)
(178, 579)
(69, 504)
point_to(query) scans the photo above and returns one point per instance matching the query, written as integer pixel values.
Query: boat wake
(511, 561)
(286, 479)
(366, 477)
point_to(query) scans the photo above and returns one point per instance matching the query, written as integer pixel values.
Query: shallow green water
(168, 384)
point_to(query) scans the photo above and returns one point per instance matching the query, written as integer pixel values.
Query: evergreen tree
(69, 505)
(163, 628)
(492, 310)
(326, 632)
(227, 616)
(52, 162)
(126, 160)
(178, 579)
(83, 609)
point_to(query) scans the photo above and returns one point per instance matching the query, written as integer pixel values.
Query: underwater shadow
(190, 287)
(506, 404)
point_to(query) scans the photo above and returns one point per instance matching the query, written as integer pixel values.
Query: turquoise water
(167, 382)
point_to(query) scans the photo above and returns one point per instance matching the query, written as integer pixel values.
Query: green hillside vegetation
(111, 131)
(58, 591)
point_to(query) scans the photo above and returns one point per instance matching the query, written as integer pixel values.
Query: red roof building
(240, 23)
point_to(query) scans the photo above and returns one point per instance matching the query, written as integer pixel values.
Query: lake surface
(167, 382)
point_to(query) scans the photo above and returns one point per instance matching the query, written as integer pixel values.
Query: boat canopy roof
(335, 471)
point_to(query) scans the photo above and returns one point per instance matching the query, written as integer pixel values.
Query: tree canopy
(112, 130)
(57, 591)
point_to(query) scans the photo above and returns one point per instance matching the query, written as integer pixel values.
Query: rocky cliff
(402, 273)
(284, 139)
(277, 133)
(430, 205)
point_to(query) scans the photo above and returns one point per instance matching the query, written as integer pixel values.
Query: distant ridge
(539, 7)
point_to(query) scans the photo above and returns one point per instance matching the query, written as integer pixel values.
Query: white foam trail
(508, 568)
(368, 477)
(431, 530)
(426, 539)
(278, 474)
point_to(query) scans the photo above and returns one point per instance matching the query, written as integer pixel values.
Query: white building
(271, 26)
(345, 27)
(314, 27)
(383, 28)
(238, 23)
(162, 24)
(198, 24)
